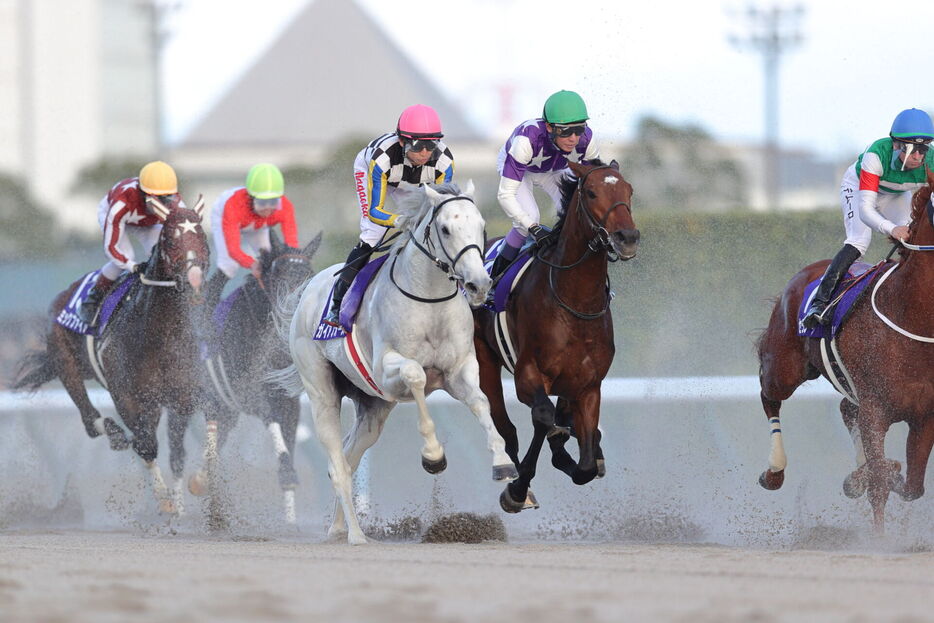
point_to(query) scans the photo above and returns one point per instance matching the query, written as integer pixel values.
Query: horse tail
(35, 369)
(288, 378)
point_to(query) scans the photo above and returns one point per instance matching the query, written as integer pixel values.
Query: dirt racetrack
(95, 577)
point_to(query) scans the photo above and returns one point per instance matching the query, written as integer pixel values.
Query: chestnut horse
(147, 354)
(887, 346)
(562, 328)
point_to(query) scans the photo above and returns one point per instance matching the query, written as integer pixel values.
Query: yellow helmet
(158, 178)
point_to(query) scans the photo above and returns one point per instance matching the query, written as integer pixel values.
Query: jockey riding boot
(89, 306)
(507, 254)
(835, 272)
(212, 296)
(357, 259)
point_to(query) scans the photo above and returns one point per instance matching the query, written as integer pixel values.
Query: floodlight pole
(770, 31)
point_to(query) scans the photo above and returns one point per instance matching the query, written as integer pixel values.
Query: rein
(600, 243)
(447, 269)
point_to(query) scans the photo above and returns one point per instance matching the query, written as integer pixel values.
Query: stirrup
(333, 319)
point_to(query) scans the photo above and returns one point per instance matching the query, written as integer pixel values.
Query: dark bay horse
(887, 346)
(147, 356)
(562, 330)
(244, 347)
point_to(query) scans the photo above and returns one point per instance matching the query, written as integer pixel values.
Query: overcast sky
(858, 66)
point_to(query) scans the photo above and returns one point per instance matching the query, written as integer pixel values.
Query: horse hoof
(601, 468)
(435, 467)
(559, 434)
(772, 480)
(530, 502)
(508, 504)
(854, 485)
(115, 435)
(198, 485)
(168, 507)
(897, 484)
(505, 473)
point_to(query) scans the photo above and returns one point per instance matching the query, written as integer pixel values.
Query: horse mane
(414, 206)
(919, 203)
(567, 186)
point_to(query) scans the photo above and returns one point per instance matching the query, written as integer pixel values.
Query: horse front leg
(177, 424)
(854, 485)
(282, 422)
(143, 421)
(882, 476)
(464, 385)
(917, 451)
(586, 409)
(398, 369)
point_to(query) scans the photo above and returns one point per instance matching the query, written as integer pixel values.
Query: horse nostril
(470, 287)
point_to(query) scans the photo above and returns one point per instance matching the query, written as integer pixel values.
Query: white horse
(416, 329)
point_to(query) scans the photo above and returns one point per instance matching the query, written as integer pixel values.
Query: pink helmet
(419, 121)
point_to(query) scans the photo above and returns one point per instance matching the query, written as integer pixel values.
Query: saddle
(848, 292)
(509, 277)
(350, 306)
(68, 317)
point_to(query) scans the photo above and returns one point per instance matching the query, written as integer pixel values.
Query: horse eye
(591, 194)
(445, 230)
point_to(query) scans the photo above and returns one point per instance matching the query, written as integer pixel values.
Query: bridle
(598, 243)
(290, 260)
(191, 260)
(427, 248)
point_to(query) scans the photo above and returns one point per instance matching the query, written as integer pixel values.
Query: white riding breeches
(549, 181)
(895, 207)
(146, 237)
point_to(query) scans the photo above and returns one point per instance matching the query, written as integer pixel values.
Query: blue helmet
(912, 126)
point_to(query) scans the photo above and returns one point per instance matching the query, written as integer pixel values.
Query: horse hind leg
(371, 415)
(65, 350)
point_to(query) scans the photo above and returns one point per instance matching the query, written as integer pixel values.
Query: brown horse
(559, 318)
(147, 356)
(887, 345)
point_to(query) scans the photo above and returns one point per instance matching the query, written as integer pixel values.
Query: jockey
(240, 222)
(136, 207)
(537, 154)
(876, 195)
(414, 154)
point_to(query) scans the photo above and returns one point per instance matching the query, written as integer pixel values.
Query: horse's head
(284, 268)
(921, 227)
(603, 199)
(453, 230)
(182, 253)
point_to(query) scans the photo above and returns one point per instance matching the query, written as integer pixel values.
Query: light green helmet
(264, 181)
(565, 107)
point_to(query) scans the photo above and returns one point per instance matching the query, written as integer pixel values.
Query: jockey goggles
(420, 144)
(564, 131)
(265, 204)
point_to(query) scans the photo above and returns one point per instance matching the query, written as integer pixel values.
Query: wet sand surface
(98, 576)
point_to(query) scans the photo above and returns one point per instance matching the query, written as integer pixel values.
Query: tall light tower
(770, 30)
(160, 31)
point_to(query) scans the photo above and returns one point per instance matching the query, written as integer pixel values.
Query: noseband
(426, 247)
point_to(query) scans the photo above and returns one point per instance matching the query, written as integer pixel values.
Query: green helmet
(565, 107)
(264, 181)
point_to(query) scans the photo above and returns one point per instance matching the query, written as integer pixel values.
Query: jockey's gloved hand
(538, 233)
(139, 268)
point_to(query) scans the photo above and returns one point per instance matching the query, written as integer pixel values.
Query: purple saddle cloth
(351, 303)
(68, 317)
(504, 285)
(859, 276)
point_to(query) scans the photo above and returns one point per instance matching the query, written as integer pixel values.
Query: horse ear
(578, 169)
(275, 242)
(930, 176)
(614, 164)
(469, 189)
(433, 194)
(161, 211)
(199, 205)
(312, 246)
